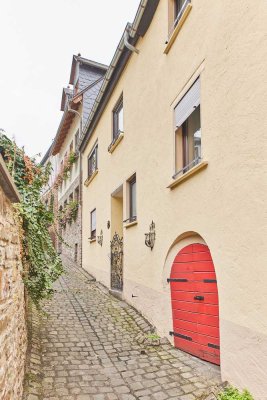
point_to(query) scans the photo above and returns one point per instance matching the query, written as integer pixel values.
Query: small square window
(93, 161)
(118, 119)
(93, 224)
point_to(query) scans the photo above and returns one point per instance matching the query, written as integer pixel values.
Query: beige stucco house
(178, 136)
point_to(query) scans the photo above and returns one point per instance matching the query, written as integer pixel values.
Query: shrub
(232, 393)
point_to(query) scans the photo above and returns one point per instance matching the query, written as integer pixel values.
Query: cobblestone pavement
(86, 347)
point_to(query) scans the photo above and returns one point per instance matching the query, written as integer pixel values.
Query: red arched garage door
(195, 306)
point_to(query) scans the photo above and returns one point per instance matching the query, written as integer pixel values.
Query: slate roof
(89, 83)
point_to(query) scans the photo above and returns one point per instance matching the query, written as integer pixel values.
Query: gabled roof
(46, 156)
(84, 61)
(68, 117)
(132, 32)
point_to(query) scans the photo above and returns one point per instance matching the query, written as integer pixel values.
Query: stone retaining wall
(13, 337)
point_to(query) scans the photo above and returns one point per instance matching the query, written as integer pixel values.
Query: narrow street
(87, 347)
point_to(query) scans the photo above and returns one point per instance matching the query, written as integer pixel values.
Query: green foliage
(68, 213)
(42, 266)
(153, 336)
(66, 168)
(72, 157)
(232, 393)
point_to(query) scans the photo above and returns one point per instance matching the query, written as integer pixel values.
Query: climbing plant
(68, 214)
(42, 266)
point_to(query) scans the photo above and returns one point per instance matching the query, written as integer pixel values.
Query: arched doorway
(195, 305)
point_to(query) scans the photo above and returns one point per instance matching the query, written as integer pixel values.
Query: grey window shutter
(187, 104)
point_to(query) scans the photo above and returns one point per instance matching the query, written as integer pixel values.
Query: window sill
(89, 180)
(130, 224)
(113, 145)
(93, 240)
(188, 174)
(178, 28)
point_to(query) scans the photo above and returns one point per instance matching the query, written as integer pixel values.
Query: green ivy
(68, 214)
(42, 265)
(232, 393)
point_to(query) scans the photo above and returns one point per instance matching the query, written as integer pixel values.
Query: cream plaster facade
(223, 205)
(65, 149)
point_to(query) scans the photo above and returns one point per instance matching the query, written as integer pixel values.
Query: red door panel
(194, 286)
(203, 256)
(195, 307)
(203, 352)
(195, 327)
(194, 276)
(205, 266)
(202, 319)
(209, 298)
(195, 303)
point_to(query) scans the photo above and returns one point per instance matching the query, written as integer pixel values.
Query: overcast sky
(37, 41)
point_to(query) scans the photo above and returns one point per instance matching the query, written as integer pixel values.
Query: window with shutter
(188, 131)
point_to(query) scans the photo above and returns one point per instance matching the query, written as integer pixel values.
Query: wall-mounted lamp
(100, 238)
(151, 236)
(108, 224)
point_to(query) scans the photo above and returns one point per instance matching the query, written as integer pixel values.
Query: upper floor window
(178, 12)
(118, 119)
(77, 136)
(132, 198)
(71, 147)
(93, 224)
(77, 194)
(179, 6)
(93, 161)
(188, 131)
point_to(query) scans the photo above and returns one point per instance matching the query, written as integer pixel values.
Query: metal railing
(187, 167)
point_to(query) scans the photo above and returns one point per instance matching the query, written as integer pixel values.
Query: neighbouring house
(13, 335)
(50, 193)
(64, 191)
(174, 179)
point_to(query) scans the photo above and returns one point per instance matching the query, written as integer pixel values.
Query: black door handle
(199, 297)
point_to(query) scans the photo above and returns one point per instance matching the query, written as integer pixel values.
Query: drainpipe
(126, 40)
(79, 115)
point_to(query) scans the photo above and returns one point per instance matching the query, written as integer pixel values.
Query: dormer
(84, 72)
(67, 94)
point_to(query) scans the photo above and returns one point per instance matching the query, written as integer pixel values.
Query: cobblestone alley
(88, 346)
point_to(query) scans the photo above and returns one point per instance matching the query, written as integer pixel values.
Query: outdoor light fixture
(100, 238)
(108, 224)
(151, 236)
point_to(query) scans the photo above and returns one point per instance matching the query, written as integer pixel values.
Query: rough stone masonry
(13, 337)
